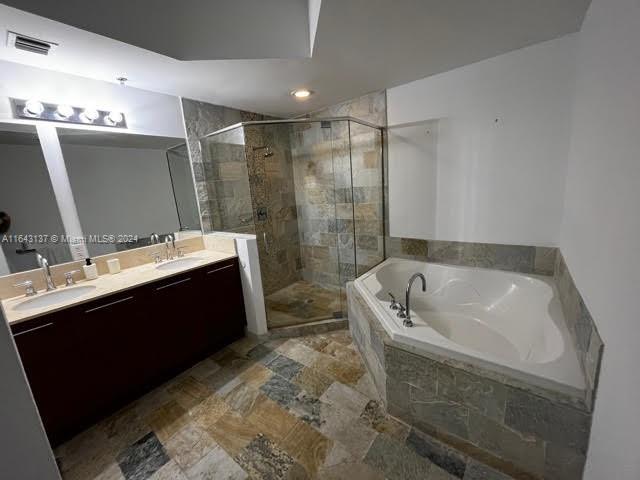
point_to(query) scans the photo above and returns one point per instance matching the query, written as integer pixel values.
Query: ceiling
(257, 55)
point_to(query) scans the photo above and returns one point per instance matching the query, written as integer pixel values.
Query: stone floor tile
(316, 342)
(216, 465)
(143, 458)
(298, 351)
(111, 472)
(167, 420)
(438, 453)
(261, 353)
(233, 432)
(344, 372)
(124, 427)
(285, 367)
(169, 471)
(366, 387)
(241, 398)
(351, 471)
(188, 446)
(262, 459)
(189, 392)
(396, 460)
(244, 345)
(271, 419)
(343, 396)
(256, 375)
(355, 436)
(342, 353)
(208, 412)
(308, 446)
(280, 390)
(341, 336)
(202, 370)
(375, 416)
(313, 381)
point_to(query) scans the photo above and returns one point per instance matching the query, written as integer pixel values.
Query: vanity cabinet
(88, 360)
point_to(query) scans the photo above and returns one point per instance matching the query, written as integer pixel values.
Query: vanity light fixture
(115, 117)
(302, 93)
(65, 111)
(33, 107)
(90, 114)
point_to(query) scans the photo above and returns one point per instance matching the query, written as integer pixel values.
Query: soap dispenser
(90, 269)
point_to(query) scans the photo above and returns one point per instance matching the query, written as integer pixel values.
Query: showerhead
(268, 152)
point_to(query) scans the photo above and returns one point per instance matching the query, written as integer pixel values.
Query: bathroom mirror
(128, 186)
(27, 199)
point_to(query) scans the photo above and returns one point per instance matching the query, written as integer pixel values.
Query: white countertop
(108, 284)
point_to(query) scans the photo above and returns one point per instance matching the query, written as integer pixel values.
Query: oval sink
(55, 297)
(175, 264)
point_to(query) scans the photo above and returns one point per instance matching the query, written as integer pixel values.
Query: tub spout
(407, 322)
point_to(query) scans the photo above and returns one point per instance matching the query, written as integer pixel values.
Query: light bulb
(115, 117)
(90, 114)
(33, 107)
(65, 111)
(302, 93)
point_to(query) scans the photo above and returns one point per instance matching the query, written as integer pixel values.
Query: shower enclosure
(312, 193)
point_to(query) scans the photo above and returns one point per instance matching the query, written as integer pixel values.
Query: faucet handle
(28, 285)
(68, 277)
(157, 258)
(402, 311)
(180, 252)
(394, 304)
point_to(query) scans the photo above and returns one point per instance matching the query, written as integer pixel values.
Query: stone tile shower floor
(303, 302)
(301, 408)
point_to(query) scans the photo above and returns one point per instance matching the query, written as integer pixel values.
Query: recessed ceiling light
(65, 111)
(302, 93)
(34, 107)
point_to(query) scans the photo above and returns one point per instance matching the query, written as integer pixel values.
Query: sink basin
(176, 263)
(55, 297)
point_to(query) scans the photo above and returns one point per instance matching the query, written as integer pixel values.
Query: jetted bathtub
(506, 322)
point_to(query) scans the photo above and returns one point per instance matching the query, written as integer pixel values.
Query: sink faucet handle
(401, 311)
(157, 258)
(68, 277)
(28, 286)
(180, 252)
(394, 304)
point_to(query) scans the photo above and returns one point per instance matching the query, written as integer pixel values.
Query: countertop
(108, 284)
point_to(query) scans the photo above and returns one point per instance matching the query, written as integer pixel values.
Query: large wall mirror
(29, 210)
(126, 187)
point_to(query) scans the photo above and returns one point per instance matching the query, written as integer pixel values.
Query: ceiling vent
(30, 44)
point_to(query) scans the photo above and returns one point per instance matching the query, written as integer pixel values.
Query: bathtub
(505, 322)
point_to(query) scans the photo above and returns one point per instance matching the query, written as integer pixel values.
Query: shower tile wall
(201, 118)
(358, 211)
(271, 181)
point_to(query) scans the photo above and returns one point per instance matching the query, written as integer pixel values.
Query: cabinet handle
(174, 283)
(218, 269)
(33, 329)
(108, 304)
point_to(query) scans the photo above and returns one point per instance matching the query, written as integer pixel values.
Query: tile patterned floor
(301, 408)
(303, 302)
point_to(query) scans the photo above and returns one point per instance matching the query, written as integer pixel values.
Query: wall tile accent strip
(519, 431)
(583, 330)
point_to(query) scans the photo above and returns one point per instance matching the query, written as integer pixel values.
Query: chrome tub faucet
(405, 311)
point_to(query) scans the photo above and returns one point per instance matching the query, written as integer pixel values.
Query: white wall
(25, 453)
(146, 112)
(497, 182)
(600, 236)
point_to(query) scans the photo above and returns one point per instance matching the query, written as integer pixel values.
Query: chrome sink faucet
(44, 264)
(405, 312)
(170, 244)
